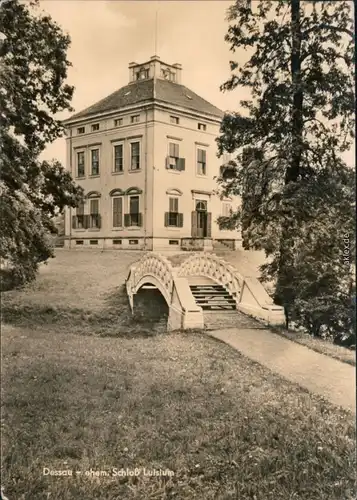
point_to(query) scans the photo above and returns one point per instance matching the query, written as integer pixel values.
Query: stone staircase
(213, 297)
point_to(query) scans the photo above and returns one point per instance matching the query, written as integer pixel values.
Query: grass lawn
(87, 387)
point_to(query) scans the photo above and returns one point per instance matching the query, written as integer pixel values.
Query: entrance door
(201, 209)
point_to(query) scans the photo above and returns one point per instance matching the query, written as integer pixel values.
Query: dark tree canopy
(32, 90)
(288, 140)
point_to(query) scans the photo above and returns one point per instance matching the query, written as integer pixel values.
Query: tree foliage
(32, 90)
(297, 192)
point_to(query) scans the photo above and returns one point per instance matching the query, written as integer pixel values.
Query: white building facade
(146, 157)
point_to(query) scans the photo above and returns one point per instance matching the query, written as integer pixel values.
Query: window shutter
(176, 151)
(180, 220)
(140, 220)
(86, 221)
(181, 164)
(166, 222)
(209, 224)
(99, 219)
(194, 224)
(74, 221)
(117, 212)
(167, 162)
(126, 220)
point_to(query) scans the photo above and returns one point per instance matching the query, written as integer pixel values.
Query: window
(118, 122)
(134, 204)
(134, 210)
(173, 242)
(94, 217)
(80, 164)
(142, 74)
(201, 205)
(175, 120)
(201, 162)
(95, 161)
(168, 75)
(95, 127)
(80, 216)
(81, 130)
(118, 158)
(79, 242)
(135, 156)
(173, 218)
(226, 209)
(118, 212)
(173, 161)
(133, 242)
(135, 118)
(93, 242)
(117, 242)
(201, 126)
(174, 156)
(173, 212)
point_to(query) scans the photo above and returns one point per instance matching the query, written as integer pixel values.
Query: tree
(296, 190)
(33, 89)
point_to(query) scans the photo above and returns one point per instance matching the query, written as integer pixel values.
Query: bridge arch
(152, 269)
(150, 279)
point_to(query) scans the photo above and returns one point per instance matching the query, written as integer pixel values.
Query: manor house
(146, 157)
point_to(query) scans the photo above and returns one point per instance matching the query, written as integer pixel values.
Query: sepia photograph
(178, 250)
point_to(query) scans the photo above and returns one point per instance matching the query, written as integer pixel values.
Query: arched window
(117, 192)
(201, 206)
(93, 194)
(133, 190)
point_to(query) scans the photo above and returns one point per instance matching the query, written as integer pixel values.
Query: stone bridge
(246, 294)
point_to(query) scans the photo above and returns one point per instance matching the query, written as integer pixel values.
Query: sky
(109, 34)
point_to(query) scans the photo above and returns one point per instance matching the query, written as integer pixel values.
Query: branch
(329, 27)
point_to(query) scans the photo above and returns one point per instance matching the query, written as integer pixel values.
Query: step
(199, 293)
(215, 300)
(206, 286)
(214, 297)
(229, 307)
(214, 303)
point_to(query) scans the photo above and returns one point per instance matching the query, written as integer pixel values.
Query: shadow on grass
(8, 280)
(115, 319)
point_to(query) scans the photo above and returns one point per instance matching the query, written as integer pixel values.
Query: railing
(86, 221)
(132, 220)
(215, 268)
(155, 265)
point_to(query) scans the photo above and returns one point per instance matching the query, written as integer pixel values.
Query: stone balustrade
(211, 266)
(151, 266)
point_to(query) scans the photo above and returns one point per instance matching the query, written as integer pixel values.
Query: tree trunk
(293, 170)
